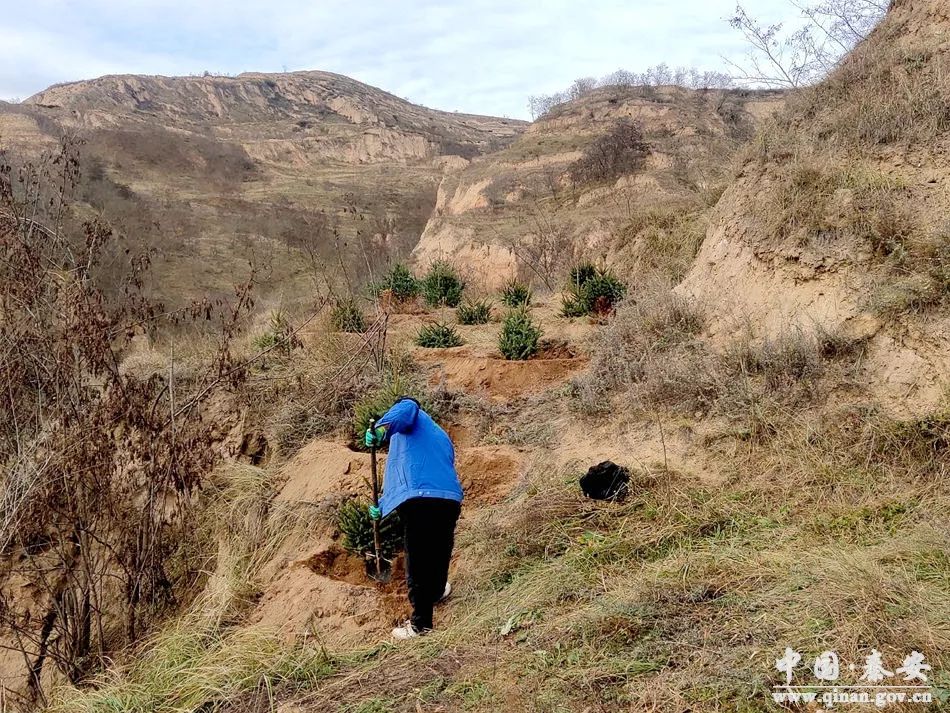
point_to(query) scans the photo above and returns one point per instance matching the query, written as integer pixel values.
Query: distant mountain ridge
(213, 172)
(256, 97)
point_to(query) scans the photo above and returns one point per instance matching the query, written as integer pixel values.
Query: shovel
(378, 568)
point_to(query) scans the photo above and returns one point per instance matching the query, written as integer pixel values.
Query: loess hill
(776, 382)
(280, 170)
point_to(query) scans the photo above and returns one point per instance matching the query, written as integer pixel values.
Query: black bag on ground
(606, 481)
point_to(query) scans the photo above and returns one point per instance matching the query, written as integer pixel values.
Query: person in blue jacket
(420, 483)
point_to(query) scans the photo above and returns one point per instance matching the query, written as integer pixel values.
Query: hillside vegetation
(555, 195)
(741, 297)
(286, 172)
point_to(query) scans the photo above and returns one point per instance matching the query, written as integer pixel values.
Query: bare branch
(795, 57)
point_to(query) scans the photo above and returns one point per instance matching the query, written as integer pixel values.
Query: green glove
(374, 438)
(375, 513)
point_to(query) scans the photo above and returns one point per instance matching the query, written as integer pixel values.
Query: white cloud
(482, 56)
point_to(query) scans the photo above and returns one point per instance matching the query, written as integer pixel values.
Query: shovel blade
(380, 571)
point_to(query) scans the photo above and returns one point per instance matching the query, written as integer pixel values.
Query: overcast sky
(481, 56)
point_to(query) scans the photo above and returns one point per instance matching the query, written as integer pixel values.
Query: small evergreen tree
(356, 526)
(348, 317)
(592, 293)
(378, 401)
(442, 286)
(279, 337)
(515, 294)
(474, 312)
(401, 283)
(520, 335)
(438, 336)
(582, 273)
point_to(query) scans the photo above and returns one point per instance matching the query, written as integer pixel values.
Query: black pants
(429, 537)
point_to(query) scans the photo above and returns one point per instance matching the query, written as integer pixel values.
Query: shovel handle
(372, 455)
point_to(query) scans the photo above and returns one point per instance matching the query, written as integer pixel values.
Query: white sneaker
(445, 593)
(406, 631)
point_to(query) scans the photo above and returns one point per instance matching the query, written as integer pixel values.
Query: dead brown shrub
(103, 467)
(622, 150)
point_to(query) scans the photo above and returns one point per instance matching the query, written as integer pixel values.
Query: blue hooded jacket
(421, 460)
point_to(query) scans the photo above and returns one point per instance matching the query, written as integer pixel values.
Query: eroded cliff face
(319, 108)
(837, 220)
(490, 211)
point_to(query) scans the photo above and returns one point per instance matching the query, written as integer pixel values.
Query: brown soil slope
(491, 212)
(838, 217)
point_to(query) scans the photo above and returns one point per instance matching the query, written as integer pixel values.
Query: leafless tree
(783, 57)
(845, 22)
(547, 246)
(656, 76)
(622, 150)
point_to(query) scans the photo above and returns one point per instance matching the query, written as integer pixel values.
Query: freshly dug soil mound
(301, 603)
(488, 473)
(496, 378)
(556, 349)
(324, 469)
(336, 563)
(329, 594)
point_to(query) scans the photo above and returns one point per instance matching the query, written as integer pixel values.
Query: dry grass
(202, 660)
(195, 666)
(524, 422)
(683, 595)
(883, 94)
(651, 355)
(831, 535)
(658, 241)
(651, 322)
(247, 526)
(831, 184)
(918, 281)
(820, 204)
(848, 210)
(316, 390)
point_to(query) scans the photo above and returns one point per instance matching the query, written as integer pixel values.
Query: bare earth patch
(496, 378)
